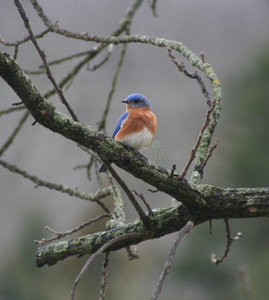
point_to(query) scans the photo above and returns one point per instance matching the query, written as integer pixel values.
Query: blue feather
(118, 126)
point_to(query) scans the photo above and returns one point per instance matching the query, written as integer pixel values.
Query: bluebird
(136, 127)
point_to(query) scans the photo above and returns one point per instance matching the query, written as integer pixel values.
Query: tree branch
(167, 266)
(201, 202)
(131, 161)
(64, 189)
(59, 235)
(95, 255)
(46, 114)
(219, 204)
(14, 133)
(43, 57)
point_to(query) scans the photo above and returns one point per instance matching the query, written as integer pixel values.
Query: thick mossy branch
(224, 204)
(161, 223)
(128, 159)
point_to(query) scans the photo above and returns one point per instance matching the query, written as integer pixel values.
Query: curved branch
(125, 22)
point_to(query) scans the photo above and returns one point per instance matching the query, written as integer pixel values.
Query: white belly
(138, 140)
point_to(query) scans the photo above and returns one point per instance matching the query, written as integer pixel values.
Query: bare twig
(195, 75)
(144, 201)
(104, 276)
(152, 4)
(16, 51)
(123, 26)
(167, 266)
(131, 197)
(209, 154)
(96, 254)
(64, 189)
(69, 58)
(198, 142)
(95, 67)
(26, 39)
(43, 57)
(102, 124)
(230, 240)
(59, 235)
(10, 110)
(125, 22)
(14, 133)
(201, 159)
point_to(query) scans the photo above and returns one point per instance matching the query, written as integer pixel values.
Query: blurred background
(234, 37)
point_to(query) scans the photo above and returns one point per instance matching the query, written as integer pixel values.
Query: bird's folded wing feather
(119, 124)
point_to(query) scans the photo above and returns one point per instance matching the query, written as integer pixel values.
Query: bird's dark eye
(136, 101)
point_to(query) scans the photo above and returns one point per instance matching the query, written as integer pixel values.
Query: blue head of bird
(137, 100)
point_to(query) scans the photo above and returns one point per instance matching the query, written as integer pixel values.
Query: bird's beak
(125, 101)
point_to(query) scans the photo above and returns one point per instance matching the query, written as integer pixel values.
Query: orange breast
(138, 119)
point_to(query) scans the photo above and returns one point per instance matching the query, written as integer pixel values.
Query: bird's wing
(119, 124)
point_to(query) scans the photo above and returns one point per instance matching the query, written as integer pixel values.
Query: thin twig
(195, 75)
(95, 67)
(209, 154)
(10, 110)
(152, 5)
(144, 201)
(104, 276)
(69, 58)
(131, 197)
(59, 235)
(198, 142)
(230, 240)
(16, 51)
(96, 254)
(167, 266)
(64, 189)
(14, 133)
(43, 57)
(125, 22)
(26, 39)
(102, 123)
